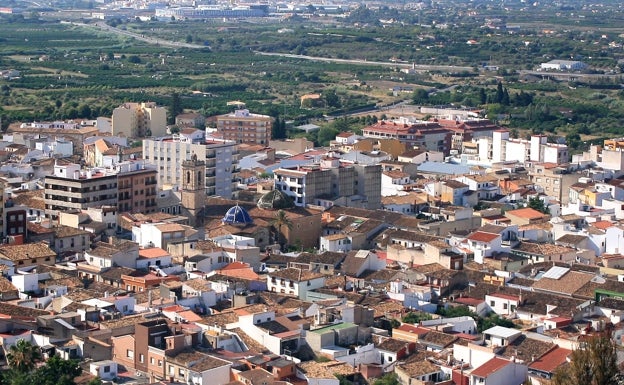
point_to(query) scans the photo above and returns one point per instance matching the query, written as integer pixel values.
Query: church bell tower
(193, 193)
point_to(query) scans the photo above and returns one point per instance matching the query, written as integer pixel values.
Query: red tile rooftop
(469, 301)
(481, 236)
(154, 252)
(602, 225)
(559, 319)
(550, 361)
(612, 256)
(413, 329)
(492, 366)
(505, 296)
(174, 308)
(469, 337)
(527, 213)
(189, 316)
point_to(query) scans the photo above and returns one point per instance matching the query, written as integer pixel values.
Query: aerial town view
(338, 192)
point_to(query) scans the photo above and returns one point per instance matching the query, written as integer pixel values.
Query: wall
(473, 355)
(216, 376)
(120, 347)
(364, 354)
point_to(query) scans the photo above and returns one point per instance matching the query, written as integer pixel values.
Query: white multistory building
(221, 157)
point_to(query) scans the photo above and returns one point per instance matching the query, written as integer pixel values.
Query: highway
(151, 40)
(422, 67)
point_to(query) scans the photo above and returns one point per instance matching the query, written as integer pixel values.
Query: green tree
(57, 371)
(326, 134)
(484, 323)
(175, 107)
(420, 96)
(593, 363)
(500, 93)
(537, 204)
(455, 311)
(23, 356)
(278, 129)
(280, 221)
(416, 317)
(387, 379)
(331, 98)
(482, 96)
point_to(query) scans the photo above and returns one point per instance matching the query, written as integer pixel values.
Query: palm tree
(23, 356)
(281, 219)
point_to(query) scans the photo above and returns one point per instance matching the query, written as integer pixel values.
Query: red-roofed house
(239, 270)
(502, 304)
(475, 305)
(603, 225)
(153, 256)
(556, 322)
(409, 333)
(346, 137)
(498, 371)
(139, 281)
(546, 365)
(483, 244)
(525, 216)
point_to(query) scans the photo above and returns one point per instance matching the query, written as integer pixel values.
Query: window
(152, 360)
(159, 363)
(107, 369)
(141, 358)
(181, 372)
(129, 353)
(492, 303)
(504, 306)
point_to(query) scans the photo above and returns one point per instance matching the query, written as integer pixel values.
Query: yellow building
(135, 120)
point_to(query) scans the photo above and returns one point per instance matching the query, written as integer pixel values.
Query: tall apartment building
(241, 126)
(553, 179)
(72, 188)
(331, 182)
(137, 189)
(127, 186)
(137, 120)
(13, 218)
(220, 156)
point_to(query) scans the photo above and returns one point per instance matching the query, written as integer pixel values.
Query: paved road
(138, 36)
(423, 67)
(569, 75)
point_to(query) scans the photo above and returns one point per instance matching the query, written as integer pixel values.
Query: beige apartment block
(241, 126)
(135, 120)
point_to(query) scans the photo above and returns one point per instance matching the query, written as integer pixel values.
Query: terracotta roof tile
(568, 284)
(492, 366)
(527, 213)
(153, 252)
(295, 274)
(26, 251)
(480, 236)
(550, 361)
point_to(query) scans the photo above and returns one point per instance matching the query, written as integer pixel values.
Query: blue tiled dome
(237, 216)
